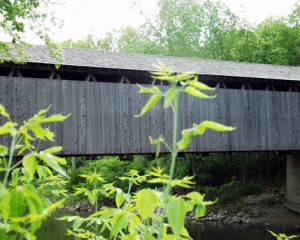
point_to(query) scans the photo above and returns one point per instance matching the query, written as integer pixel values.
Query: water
(217, 231)
(54, 229)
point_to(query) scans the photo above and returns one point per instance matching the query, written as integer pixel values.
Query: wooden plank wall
(102, 119)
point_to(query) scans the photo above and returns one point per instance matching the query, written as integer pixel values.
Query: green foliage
(91, 42)
(18, 16)
(133, 213)
(207, 30)
(232, 192)
(22, 204)
(250, 189)
(282, 236)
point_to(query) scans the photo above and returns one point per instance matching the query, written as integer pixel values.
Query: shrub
(250, 189)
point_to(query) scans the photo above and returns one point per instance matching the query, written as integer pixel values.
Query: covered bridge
(98, 88)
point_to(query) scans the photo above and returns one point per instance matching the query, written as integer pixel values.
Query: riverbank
(265, 209)
(276, 215)
(261, 210)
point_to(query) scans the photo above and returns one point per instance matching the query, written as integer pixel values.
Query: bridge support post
(292, 198)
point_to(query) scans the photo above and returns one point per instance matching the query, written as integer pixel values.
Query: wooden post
(73, 162)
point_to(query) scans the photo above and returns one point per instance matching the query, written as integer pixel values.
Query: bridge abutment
(293, 183)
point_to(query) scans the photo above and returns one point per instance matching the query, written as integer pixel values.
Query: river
(53, 229)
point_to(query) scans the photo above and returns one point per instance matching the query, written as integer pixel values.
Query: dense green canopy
(206, 29)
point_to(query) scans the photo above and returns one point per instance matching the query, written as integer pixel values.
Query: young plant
(282, 236)
(142, 215)
(179, 83)
(22, 206)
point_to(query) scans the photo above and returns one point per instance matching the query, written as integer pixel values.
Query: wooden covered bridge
(98, 88)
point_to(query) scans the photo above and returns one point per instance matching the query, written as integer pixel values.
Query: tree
(192, 28)
(276, 42)
(91, 42)
(16, 18)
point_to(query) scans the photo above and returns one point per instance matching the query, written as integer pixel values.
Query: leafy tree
(91, 42)
(16, 17)
(135, 40)
(275, 42)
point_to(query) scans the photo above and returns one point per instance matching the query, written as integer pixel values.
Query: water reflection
(217, 231)
(54, 229)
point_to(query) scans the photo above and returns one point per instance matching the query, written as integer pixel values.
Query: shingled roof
(140, 62)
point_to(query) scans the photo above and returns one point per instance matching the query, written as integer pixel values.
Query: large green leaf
(120, 222)
(176, 215)
(194, 92)
(146, 202)
(3, 150)
(200, 210)
(55, 205)
(16, 203)
(196, 197)
(187, 137)
(190, 133)
(5, 129)
(3, 112)
(129, 237)
(15, 177)
(199, 85)
(149, 237)
(30, 165)
(49, 160)
(150, 104)
(5, 206)
(170, 96)
(36, 206)
(53, 150)
(43, 111)
(119, 199)
(145, 89)
(38, 131)
(78, 221)
(53, 118)
(92, 196)
(214, 126)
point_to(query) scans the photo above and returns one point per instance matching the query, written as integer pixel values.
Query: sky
(96, 17)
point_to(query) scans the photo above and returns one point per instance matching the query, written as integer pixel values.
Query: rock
(236, 219)
(254, 213)
(221, 217)
(267, 224)
(252, 200)
(77, 207)
(240, 214)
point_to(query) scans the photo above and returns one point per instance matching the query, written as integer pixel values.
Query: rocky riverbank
(264, 209)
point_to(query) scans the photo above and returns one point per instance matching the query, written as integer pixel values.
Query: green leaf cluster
(131, 217)
(142, 215)
(22, 204)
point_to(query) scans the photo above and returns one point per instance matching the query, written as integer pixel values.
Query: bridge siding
(102, 119)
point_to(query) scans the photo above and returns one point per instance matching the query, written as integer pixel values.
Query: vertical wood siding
(102, 119)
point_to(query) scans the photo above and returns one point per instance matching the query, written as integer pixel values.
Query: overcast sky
(82, 17)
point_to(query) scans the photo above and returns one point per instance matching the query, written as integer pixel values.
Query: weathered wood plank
(82, 117)
(102, 119)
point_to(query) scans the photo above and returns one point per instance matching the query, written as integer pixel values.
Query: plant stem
(173, 163)
(11, 154)
(96, 209)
